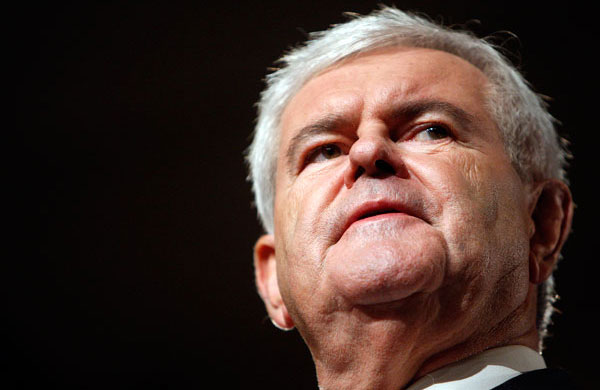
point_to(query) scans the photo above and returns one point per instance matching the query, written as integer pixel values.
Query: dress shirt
(483, 371)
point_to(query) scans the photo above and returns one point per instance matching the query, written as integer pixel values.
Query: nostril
(359, 171)
(384, 167)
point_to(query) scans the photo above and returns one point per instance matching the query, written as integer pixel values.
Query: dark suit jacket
(544, 379)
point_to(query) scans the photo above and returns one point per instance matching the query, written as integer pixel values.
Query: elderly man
(412, 190)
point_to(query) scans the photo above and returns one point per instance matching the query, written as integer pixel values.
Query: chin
(377, 263)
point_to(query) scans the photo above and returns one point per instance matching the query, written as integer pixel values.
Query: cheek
(480, 199)
(474, 189)
(483, 221)
(305, 201)
(302, 229)
(465, 185)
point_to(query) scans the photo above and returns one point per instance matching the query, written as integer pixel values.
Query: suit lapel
(543, 379)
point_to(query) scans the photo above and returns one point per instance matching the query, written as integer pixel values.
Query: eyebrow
(326, 125)
(413, 109)
(404, 111)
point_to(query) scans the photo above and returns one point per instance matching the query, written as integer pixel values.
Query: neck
(386, 356)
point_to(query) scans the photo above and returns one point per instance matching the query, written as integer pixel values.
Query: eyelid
(416, 129)
(311, 150)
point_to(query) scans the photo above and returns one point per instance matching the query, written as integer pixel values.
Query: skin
(404, 238)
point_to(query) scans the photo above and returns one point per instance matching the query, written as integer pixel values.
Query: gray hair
(528, 131)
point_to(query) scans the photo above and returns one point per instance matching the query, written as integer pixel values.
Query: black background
(134, 226)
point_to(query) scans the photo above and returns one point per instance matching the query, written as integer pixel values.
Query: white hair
(528, 131)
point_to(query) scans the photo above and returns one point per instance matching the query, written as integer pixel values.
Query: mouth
(375, 213)
(374, 209)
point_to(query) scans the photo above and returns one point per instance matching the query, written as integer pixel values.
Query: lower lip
(379, 219)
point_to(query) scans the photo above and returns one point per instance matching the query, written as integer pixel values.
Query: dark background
(134, 228)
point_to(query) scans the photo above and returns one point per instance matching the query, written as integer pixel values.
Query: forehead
(368, 83)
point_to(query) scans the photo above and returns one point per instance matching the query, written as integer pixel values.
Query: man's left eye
(432, 133)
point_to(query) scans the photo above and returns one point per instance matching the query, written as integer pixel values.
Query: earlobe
(551, 215)
(265, 269)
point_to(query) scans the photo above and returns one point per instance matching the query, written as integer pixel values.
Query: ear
(265, 269)
(551, 213)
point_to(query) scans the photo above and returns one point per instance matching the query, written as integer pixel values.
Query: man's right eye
(323, 153)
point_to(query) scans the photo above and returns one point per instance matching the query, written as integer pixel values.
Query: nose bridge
(373, 154)
(372, 144)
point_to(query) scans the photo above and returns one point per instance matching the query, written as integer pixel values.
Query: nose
(374, 155)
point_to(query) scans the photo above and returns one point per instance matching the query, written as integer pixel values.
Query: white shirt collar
(483, 371)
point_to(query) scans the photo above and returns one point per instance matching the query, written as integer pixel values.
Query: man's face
(397, 210)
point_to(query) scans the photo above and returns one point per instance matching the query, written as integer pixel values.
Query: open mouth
(374, 209)
(377, 212)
